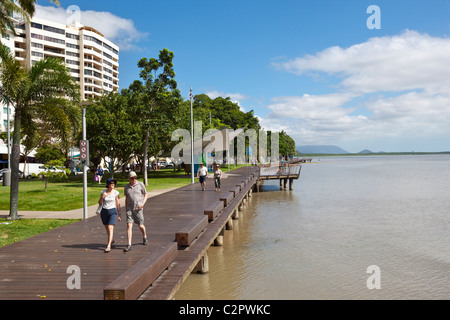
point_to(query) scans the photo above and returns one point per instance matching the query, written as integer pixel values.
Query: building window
(37, 36)
(72, 36)
(72, 54)
(37, 45)
(73, 46)
(37, 54)
(55, 30)
(93, 40)
(36, 25)
(73, 62)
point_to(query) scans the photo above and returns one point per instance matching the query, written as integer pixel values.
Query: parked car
(162, 164)
(32, 168)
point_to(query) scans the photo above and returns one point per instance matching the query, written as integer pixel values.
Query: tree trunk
(15, 159)
(24, 167)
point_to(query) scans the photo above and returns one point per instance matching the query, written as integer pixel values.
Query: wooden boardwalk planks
(166, 286)
(37, 268)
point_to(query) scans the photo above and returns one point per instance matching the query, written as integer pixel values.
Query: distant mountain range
(321, 149)
(327, 149)
(330, 149)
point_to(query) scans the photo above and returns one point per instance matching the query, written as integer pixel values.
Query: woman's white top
(109, 202)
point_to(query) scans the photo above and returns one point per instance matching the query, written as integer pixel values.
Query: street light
(192, 139)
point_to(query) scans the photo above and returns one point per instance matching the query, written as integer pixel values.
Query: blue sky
(311, 68)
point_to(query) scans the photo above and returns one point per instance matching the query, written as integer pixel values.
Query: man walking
(135, 199)
(202, 174)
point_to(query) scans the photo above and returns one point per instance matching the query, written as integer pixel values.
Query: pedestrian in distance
(110, 212)
(135, 199)
(202, 174)
(99, 173)
(217, 177)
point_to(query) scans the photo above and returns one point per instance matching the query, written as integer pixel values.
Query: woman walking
(109, 200)
(217, 177)
(99, 174)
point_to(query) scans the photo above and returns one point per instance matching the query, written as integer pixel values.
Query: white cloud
(395, 87)
(407, 61)
(310, 106)
(119, 30)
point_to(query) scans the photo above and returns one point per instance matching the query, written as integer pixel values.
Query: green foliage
(24, 7)
(221, 111)
(47, 153)
(287, 145)
(55, 171)
(113, 129)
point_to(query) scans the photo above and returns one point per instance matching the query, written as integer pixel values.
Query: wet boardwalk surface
(37, 268)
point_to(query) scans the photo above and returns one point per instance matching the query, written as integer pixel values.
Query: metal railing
(281, 170)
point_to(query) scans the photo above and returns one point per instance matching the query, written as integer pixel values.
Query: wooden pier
(288, 171)
(68, 263)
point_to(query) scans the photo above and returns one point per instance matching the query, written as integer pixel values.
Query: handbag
(99, 209)
(96, 178)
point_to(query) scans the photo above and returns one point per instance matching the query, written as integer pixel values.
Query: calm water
(344, 215)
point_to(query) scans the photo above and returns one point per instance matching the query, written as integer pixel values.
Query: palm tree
(25, 8)
(45, 93)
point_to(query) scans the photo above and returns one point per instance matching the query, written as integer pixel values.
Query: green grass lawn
(13, 231)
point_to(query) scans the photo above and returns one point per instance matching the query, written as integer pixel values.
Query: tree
(113, 129)
(48, 152)
(44, 93)
(25, 8)
(158, 94)
(286, 145)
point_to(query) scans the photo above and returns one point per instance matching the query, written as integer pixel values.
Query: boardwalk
(36, 268)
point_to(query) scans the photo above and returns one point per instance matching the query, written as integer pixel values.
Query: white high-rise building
(92, 59)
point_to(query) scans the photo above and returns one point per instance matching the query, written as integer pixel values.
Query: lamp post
(9, 135)
(85, 171)
(192, 138)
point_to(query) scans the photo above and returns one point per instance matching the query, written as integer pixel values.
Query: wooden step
(190, 232)
(133, 282)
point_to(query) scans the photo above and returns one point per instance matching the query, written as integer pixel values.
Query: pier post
(284, 183)
(235, 214)
(218, 242)
(229, 224)
(291, 183)
(203, 265)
